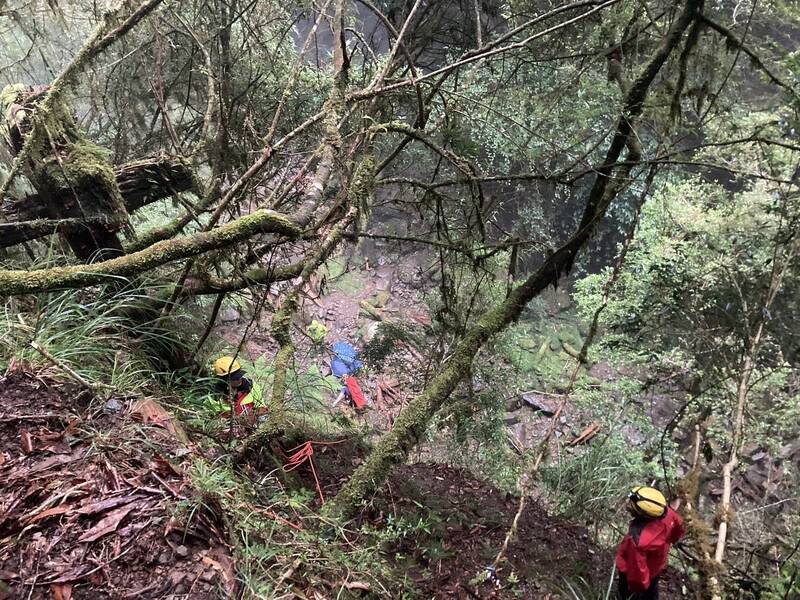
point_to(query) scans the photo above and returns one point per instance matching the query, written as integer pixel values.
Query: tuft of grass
(92, 332)
(281, 545)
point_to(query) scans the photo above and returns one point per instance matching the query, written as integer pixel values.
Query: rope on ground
(544, 445)
(305, 452)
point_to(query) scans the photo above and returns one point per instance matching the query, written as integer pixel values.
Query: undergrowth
(279, 539)
(92, 332)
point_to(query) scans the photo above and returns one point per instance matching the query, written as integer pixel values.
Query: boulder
(539, 403)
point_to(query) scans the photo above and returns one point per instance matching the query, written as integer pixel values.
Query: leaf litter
(87, 504)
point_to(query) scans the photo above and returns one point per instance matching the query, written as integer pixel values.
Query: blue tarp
(346, 361)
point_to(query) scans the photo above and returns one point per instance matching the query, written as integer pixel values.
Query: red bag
(355, 393)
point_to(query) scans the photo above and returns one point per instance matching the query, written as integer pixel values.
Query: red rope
(302, 453)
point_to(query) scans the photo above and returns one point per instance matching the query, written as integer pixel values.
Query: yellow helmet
(648, 502)
(225, 365)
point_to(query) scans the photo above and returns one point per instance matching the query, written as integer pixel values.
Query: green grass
(92, 333)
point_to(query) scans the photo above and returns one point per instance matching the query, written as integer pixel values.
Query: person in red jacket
(643, 553)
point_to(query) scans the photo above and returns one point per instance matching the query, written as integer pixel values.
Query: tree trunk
(140, 183)
(72, 175)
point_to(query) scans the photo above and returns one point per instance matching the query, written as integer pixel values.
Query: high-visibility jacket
(644, 551)
(251, 397)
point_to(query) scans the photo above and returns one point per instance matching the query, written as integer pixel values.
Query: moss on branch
(262, 221)
(361, 187)
(394, 447)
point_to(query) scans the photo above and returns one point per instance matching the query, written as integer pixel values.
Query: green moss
(27, 282)
(335, 267)
(349, 284)
(380, 299)
(555, 343)
(522, 359)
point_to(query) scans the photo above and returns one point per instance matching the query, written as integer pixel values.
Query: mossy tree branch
(76, 276)
(394, 447)
(140, 183)
(735, 42)
(100, 40)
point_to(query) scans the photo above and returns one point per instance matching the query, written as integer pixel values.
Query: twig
(93, 387)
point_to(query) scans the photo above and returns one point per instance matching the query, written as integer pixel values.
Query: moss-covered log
(145, 181)
(140, 183)
(394, 447)
(262, 221)
(199, 286)
(72, 176)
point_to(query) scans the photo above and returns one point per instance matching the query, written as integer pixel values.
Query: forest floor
(87, 497)
(88, 510)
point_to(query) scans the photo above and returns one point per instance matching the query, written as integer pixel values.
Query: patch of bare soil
(88, 496)
(446, 527)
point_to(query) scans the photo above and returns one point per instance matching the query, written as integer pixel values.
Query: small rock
(208, 575)
(180, 589)
(537, 402)
(182, 551)
(164, 558)
(176, 576)
(632, 435)
(229, 315)
(112, 406)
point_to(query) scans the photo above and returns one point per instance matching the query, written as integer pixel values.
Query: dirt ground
(451, 526)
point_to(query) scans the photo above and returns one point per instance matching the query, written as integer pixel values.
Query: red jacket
(644, 551)
(355, 392)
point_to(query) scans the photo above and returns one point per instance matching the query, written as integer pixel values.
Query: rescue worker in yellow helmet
(234, 384)
(643, 553)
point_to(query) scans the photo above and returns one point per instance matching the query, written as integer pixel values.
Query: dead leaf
(150, 411)
(107, 524)
(97, 507)
(59, 459)
(164, 466)
(45, 435)
(50, 512)
(26, 442)
(221, 563)
(61, 591)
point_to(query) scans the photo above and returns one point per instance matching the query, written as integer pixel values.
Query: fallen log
(140, 183)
